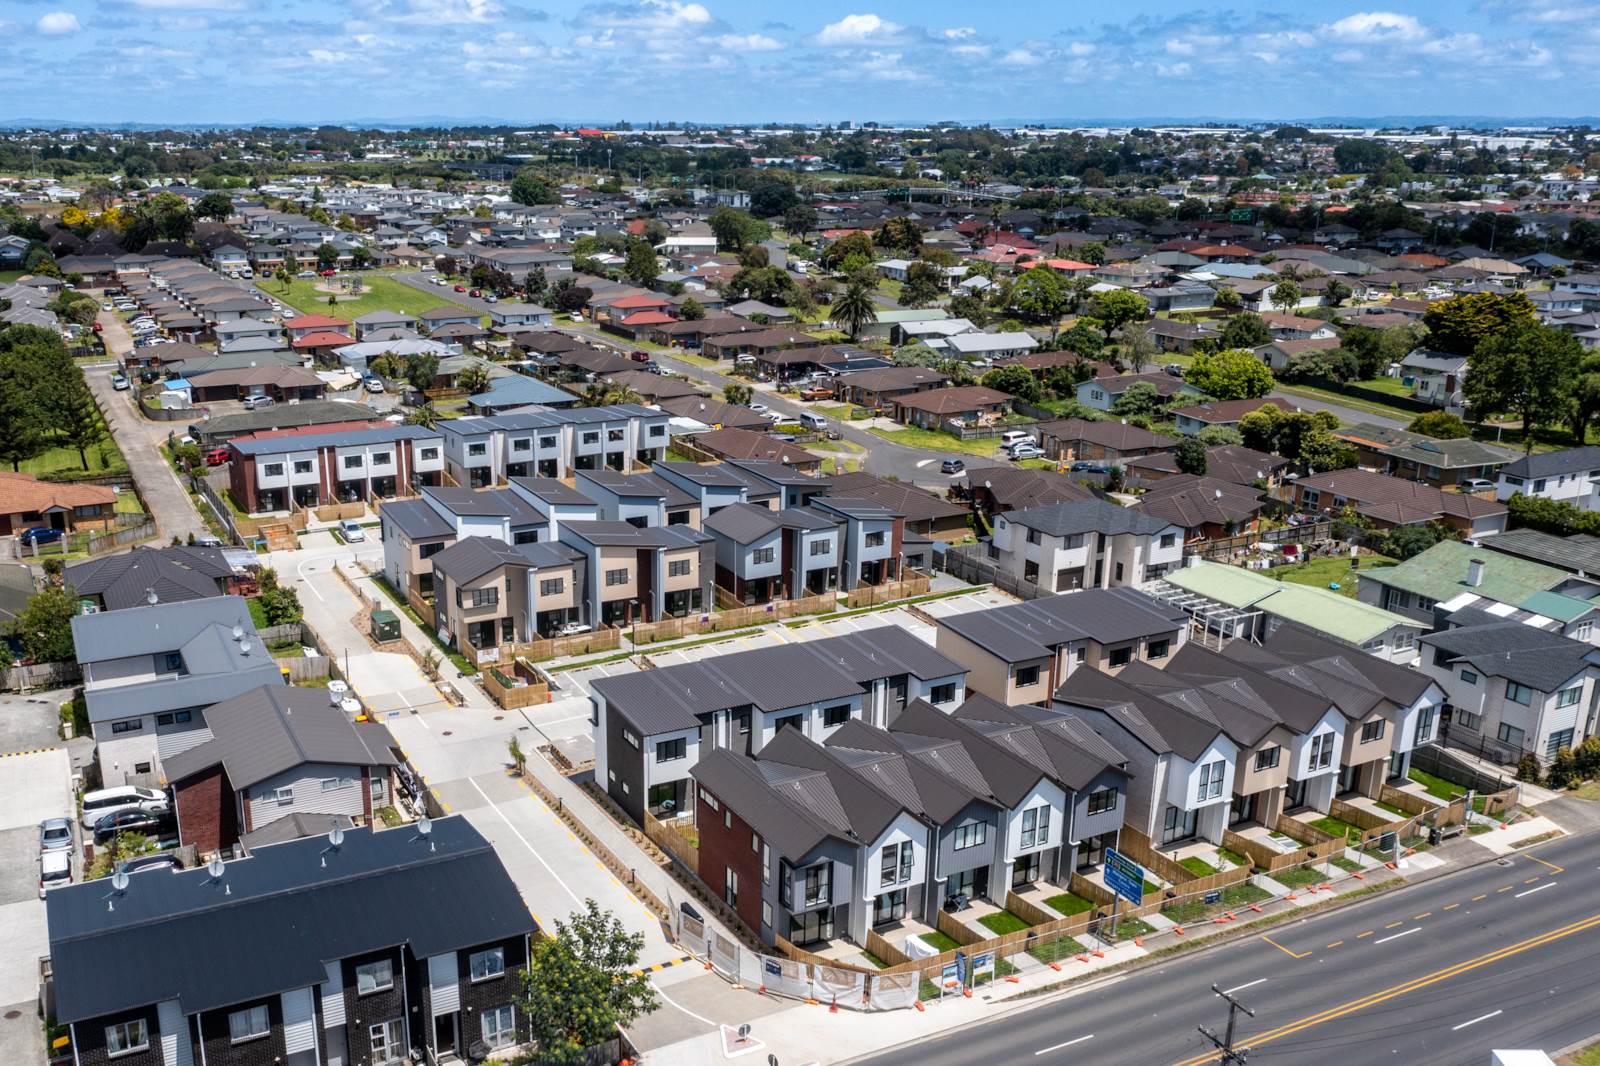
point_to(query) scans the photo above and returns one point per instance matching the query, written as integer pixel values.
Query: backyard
(936, 441)
(383, 293)
(1330, 571)
(61, 463)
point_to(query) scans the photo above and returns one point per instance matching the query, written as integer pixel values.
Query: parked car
(128, 821)
(425, 268)
(119, 381)
(491, 298)
(461, 288)
(327, 272)
(1476, 485)
(953, 466)
(639, 355)
(759, 408)
(817, 392)
(101, 802)
(97, 327)
(161, 861)
(1027, 451)
(253, 402)
(55, 870)
(1083, 466)
(306, 274)
(218, 456)
(374, 384)
(40, 535)
(475, 292)
(55, 834)
(106, 306)
(352, 530)
(208, 541)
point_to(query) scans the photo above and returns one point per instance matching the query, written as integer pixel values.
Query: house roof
(954, 400)
(1343, 617)
(917, 505)
(174, 574)
(1440, 573)
(1107, 433)
(1086, 516)
(1214, 412)
(379, 888)
(1528, 655)
(266, 731)
(21, 493)
(1580, 461)
(1397, 500)
(416, 519)
(1016, 488)
(732, 442)
(1191, 501)
(1578, 554)
(1032, 630)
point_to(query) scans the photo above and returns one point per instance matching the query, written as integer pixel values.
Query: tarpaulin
(725, 956)
(785, 977)
(834, 985)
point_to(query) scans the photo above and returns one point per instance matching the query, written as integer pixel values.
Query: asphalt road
(1439, 972)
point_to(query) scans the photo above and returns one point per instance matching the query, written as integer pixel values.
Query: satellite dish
(336, 834)
(150, 597)
(425, 825)
(238, 631)
(214, 867)
(244, 647)
(119, 879)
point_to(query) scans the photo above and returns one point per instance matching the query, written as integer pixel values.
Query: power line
(1231, 1055)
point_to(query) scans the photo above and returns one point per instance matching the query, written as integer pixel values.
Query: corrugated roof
(1034, 629)
(1530, 656)
(1440, 573)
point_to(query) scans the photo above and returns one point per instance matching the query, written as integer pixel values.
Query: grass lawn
(1383, 410)
(1198, 866)
(62, 463)
(1233, 897)
(1151, 886)
(1233, 857)
(1436, 786)
(1346, 864)
(940, 942)
(1003, 922)
(936, 441)
(1069, 904)
(1324, 572)
(1127, 929)
(1336, 827)
(1299, 877)
(8, 276)
(1589, 1056)
(258, 614)
(874, 960)
(127, 503)
(382, 293)
(1391, 809)
(1063, 947)
(1391, 386)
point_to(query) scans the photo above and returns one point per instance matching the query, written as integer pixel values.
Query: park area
(379, 292)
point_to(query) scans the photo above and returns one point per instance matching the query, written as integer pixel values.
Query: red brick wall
(725, 844)
(207, 815)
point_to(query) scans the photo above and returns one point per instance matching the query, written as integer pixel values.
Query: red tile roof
(321, 339)
(318, 321)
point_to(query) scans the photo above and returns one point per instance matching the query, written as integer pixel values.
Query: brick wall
(207, 812)
(217, 1046)
(363, 1012)
(725, 844)
(476, 997)
(90, 1039)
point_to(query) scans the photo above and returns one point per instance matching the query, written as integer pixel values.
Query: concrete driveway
(37, 785)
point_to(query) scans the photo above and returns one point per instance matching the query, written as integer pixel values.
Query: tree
(1529, 371)
(1216, 436)
(734, 229)
(582, 983)
(44, 626)
(1190, 455)
(769, 284)
(854, 309)
(1228, 298)
(1091, 252)
(535, 284)
(852, 244)
(1040, 295)
(1403, 542)
(641, 266)
(923, 285)
(1117, 308)
(425, 415)
(327, 255)
(1246, 330)
(1585, 398)
(737, 393)
(1139, 400)
(1285, 296)
(280, 604)
(1018, 381)
(77, 416)
(691, 310)
(1084, 338)
(1440, 425)
(22, 423)
(1231, 374)
(1458, 325)
(530, 189)
(473, 378)
(1321, 451)
(899, 235)
(421, 370)
(800, 220)
(217, 205)
(1337, 292)
(1138, 348)
(772, 196)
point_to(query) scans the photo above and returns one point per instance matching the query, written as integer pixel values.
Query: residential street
(1438, 972)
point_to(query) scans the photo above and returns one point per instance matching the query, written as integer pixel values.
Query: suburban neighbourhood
(598, 592)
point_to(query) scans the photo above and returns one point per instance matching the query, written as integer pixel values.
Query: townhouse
(1569, 476)
(638, 499)
(762, 555)
(411, 938)
(1388, 502)
(1511, 689)
(1021, 653)
(717, 485)
(413, 531)
(489, 594)
(872, 540)
(1064, 547)
(285, 471)
(652, 727)
(484, 451)
(149, 673)
(641, 574)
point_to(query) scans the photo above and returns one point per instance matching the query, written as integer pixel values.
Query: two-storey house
(1064, 547)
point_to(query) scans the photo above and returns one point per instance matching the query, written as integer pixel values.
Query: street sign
(1124, 877)
(982, 963)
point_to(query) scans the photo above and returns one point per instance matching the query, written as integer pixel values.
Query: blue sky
(527, 61)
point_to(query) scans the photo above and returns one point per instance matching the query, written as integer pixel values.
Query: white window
(388, 1041)
(1584, 631)
(1518, 693)
(374, 977)
(487, 964)
(1568, 696)
(248, 1024)
(499, 1026)
(1321, 751)
(1035, 826)
(1211, 775)
(125, 1037)
(284, 796)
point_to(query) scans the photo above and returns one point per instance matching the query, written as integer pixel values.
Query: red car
(475, 292)
(97, 327)
(330, 272)
(217, 456)
(461, 288)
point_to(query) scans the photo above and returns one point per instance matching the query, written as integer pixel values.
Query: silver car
(55, 834)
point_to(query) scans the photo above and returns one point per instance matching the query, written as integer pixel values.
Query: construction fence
(740, 617)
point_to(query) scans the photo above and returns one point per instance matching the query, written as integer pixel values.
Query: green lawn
(1391, 809)
(1391, 386)
(383, 294)
(1069, 904)
(1437, 787)
(1233, 897)
(936, 441)
(1063, 947)
(1324, 572)
(1127, 929)
(1300, 876)
(1346, 864)
(1233, 857)
(258, 614)
(1198, 866)
(873, 960)
(1151, 886)
(1003, 922)
(940, 942)
(127, 503)
(1383, 410)
(1336, 827)
(1589, 1056)
(61, 463)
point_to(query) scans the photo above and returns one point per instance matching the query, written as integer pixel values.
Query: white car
(374, 384)
(759, 408)
(353, 533)
(106, 307)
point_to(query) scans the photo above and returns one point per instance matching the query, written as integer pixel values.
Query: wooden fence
(1224, 548)
(608, 638)
(671, 838)
(736, 618)
(1269, 859)
(42, 676)
(871, 595)
(339, 512)
(520, 688)
(307, 668)
(423, 608)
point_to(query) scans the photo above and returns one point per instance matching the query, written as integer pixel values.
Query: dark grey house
(315, 952)
(764, 555)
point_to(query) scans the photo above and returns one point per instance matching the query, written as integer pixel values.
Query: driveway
(37, 785)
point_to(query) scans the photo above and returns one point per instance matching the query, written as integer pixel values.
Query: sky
(529, 61)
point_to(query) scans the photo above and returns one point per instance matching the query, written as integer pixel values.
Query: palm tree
(426, 416)
(616, 394)
(594, 395)
(854, 309)
(473, 379)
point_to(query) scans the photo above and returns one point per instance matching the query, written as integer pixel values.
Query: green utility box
(385, 626)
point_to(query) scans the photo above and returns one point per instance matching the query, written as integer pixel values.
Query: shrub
(1528, 769)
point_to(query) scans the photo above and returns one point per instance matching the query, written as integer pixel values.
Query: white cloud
(1349, 55)
(436, 13)
(1080, 48)
(183, 23)
(956, 33)
(858, 30)
(58, 24)
(1378, 27)
(1173, 70)
(885, 66)
(1021, 57)
(188, 5)
(747, 42)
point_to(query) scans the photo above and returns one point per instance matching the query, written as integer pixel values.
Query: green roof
(1555, 605)
(1319, 609)
(1440, 574)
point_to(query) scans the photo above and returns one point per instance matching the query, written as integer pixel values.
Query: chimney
(1475, 573)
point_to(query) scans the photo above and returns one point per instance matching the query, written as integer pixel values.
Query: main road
(1502, 955)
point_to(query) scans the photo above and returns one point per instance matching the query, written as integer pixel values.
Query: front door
(1244, 808)
(1295, 795)
(889, 907)
(444, 1033)
(1026, 871)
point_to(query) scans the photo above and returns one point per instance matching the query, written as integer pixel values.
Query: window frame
(128, 1049)
(508, 1031)
(249, 1014)
(388, 967)
(498, 953)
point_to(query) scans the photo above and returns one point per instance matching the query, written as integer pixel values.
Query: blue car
(40, 535)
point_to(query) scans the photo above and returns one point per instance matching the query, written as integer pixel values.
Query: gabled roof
(174, 574)
(1579, 461)
(1087, 516)
(1530, 656)
(1033, 630)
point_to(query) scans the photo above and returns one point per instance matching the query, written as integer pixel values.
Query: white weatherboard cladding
(176, 1047)
(444, 983)
(299, 1021)
(332, 995)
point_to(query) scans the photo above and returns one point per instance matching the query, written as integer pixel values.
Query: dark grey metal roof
(416, 519)
(364, 437)
(1032, 630)
(711, 475)
(742, 523)
(472, 557)
(551, 490)
(856, 507)
(174, 574)
(779, 473)
(1542, 660)
(274, 728)
(793, 808)
(1578, 461)
(1578, 554)
(1185, 730)
(1087, 516)
(623, 535)
(163, 627)
(271, 921)
(292, 827)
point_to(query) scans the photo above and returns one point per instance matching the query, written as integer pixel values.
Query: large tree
(1117, 308)
(923, 285)
(473, 378)
(1232, 374)
(1530, 371)
(1015, 380)
(583, 983)
(641, 266)
(735, 229)
(1458, 325)
(530, 189)
(854, 309)
(1190, 455)
(1040, 295)
(44, 626)
(421, 370)
(1246, 330)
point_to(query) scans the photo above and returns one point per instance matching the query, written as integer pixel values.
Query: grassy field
(1391, 386)
(1069, 903)
(940, 942)
(1002, 922)
(383, 293)
(1197, 866)
(62, 462)
(1234, 896)
(1062, 947)
(1323, 572)
(936, 441)
(1336, 827)
(1437, 787)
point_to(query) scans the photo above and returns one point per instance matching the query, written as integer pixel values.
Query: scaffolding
(1211, 622)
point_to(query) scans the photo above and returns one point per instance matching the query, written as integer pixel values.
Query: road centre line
(532, 850)
(1286, 951)
(1413, 985)
(1058, 1047)
(1475, 1021)
(1397, 936)
(1531, 891)
(1241, 988)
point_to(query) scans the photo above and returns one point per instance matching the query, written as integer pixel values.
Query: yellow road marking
(1506, 888)
(1391, 925)
(1424, 914)
(1412, 985)
(1531, 880)
(1553, 867)
(1336, 943)
(1286, 951)
(1475, 899)
(1451, 906)
(1366, 934)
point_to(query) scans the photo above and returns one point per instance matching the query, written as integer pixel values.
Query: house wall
(905, 827)
(1045, 793)
(218, 1049)
(207, 811)
(1248, 780)
(89, 1040)
(309, 796)
(725, 845)
(988, 673)
(948, 860)
(1085, 825)
(364, 1011)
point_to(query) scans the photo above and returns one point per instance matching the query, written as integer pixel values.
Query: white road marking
(300, 569)
(1241, 988)
(531, 850)
(1058, 1047)
(1397, 936)
(924, 462)
(1531, 891)
(1475, 1021)
(669, 1001)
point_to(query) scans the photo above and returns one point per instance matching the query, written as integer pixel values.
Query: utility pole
(1231, 1056)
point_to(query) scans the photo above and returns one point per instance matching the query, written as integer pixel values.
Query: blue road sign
(1124, 876)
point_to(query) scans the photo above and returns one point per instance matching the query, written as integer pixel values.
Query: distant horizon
(204, 63)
